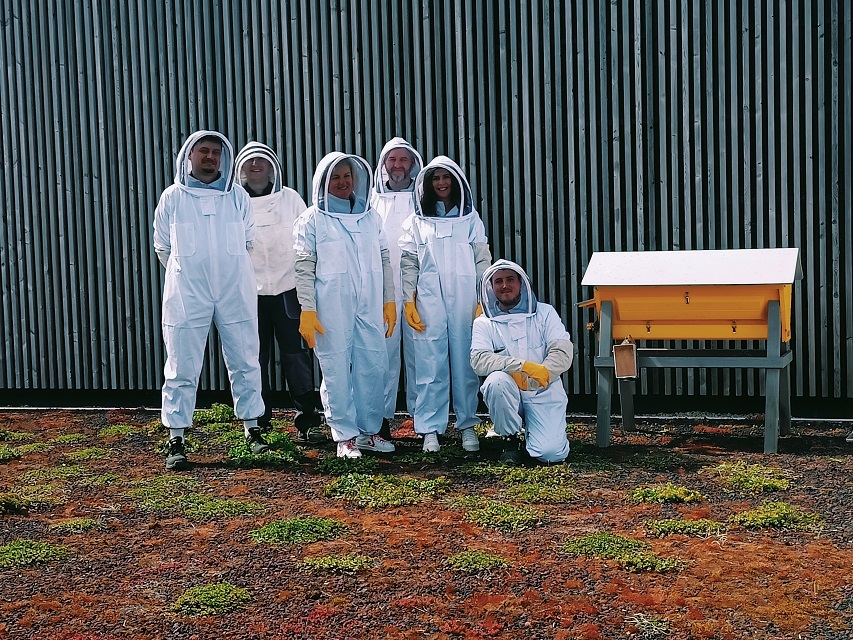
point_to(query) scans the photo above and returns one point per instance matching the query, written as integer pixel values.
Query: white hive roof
(711, 267)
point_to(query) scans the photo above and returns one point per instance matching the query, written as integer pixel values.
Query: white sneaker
(431, 443)
(470, 442)
(374, 443)
(849, 437)
(348, 449)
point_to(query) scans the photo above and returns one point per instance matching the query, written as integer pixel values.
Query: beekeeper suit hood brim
(466, 207)
(258, 150)
(362, 177)
(183, 164)
(380, 185)
(525, 306)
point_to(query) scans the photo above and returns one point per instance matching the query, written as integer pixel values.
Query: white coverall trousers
(542, 412)
(185, 347)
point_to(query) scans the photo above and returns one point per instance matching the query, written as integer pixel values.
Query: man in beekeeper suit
(275, 208)
(203, 230)
(398, 166)
(521, 347)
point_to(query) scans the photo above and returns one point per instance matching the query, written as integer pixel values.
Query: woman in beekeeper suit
(444, 254)
(346, 291)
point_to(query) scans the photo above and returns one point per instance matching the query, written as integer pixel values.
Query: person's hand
(309, 325)
(538, 372)
(413, 318)
(520, 380)
(389, 314)
(478, 310)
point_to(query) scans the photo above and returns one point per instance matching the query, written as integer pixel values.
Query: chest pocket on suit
(331, 257)
(465, 259)
(235, 239)
(275, 230)
(182, 239)
(536, 345)
(266, 218)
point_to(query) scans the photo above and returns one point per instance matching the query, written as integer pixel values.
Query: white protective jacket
(203, 237)
(272, 252)
(504, 341)
(394, 207)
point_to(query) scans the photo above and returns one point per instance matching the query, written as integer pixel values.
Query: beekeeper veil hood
(526, 304)
(183, 164)
(381, 184)
(254, 150)
(427, 203)
(342, 173)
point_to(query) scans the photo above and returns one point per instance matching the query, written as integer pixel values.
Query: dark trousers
(296, 364)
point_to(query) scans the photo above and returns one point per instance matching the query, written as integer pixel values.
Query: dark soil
(121, 581)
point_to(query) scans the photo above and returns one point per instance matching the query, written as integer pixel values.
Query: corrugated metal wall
(583, 126)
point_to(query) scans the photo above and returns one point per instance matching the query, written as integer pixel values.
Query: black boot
(511, 453)
(255, 441)
(307, 420)
(176, 458)
(385, 429)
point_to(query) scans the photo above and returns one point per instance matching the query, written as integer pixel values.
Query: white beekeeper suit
(202, 234)
(343, 277)
(394, 207)
(501, 344)
(444, 254)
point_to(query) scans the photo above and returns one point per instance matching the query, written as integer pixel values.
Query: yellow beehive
(694, 295)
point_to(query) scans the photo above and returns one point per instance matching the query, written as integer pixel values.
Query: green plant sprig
(298, 531)
(211, 599)
(476, 562)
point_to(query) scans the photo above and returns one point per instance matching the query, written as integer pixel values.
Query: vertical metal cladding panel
(583, 126)
(845, 207)
(12, 362)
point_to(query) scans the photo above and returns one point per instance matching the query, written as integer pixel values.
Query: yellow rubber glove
(389, 314)
(520, 380)
(538, 372)
(478, 311)
(413, 318)
(309, 323)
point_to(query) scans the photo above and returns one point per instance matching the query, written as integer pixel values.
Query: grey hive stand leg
(785, 401)
(772, 390)
(604, 376)
(627, 388)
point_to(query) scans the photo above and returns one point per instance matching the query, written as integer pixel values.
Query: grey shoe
(176, 458)
(470, 442)
(431, 444)
(367, 442)
(255, 441)
(311, 435)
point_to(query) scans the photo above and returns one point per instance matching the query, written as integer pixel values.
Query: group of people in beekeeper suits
(380, 270)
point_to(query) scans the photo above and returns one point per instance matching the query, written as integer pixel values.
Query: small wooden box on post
(728, 294)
